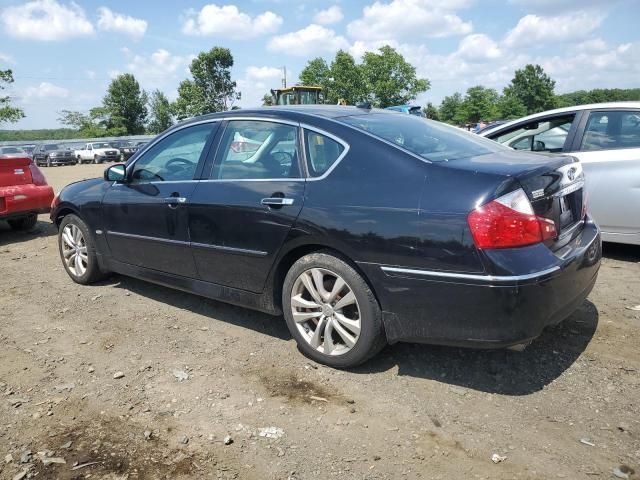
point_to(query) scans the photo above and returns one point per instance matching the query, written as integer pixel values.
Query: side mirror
(539, 146)
(115, 173)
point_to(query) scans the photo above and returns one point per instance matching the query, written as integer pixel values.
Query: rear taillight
(37, 177)
(508, 222)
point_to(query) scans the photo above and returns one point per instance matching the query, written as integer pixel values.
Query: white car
(97, 152)
(606, 139)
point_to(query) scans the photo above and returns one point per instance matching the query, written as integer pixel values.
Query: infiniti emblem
(571, 174)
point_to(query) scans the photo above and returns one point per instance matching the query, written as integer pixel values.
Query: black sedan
(50, 154)
(363, 227)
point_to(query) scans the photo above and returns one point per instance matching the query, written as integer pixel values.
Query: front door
(146, 217)
(241, 215)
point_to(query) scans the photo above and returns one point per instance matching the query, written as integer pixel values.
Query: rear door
(240, 216)
(608, 146)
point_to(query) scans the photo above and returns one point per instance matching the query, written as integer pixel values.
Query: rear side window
(611, 130)
(322, 152)
(546, 135)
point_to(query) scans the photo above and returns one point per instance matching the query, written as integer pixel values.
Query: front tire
(77, 251)
(331, 312)
(24, 223)
(48, 161)
(95, 159)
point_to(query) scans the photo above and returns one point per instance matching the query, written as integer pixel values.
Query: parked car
(410, 109)
(488, 126)
(125, 147)
(24, 192)
(29, 148)
(606, 139)
(97, 152)
(50, 154)
(362, 226)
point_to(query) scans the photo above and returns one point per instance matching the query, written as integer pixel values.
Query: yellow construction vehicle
(298, 95)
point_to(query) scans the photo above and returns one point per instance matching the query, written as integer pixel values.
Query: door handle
(173, 202)
(277, 201)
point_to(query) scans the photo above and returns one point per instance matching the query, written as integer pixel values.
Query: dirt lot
(567, 407)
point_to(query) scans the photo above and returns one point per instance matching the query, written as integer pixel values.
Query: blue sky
(64, 53)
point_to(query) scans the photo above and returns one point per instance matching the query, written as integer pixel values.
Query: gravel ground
(208, 390)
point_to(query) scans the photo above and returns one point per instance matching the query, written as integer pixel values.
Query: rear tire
(24, 223)
(324, 295)
(77, 251)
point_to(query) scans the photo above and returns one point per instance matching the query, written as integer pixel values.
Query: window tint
(547, 135)
(255, 150)
(612, 130)
(432, 140)
(322, 152)
(173, 158)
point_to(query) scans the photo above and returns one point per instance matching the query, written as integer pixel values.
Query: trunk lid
(554, 185)
(14, 171)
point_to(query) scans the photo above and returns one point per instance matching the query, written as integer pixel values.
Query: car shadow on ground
(8, 236)
(619, 251)
(495, 371)
(214, 310)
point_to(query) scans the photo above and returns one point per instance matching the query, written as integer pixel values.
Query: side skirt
(234, 296)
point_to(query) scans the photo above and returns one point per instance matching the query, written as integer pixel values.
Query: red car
(24, 192)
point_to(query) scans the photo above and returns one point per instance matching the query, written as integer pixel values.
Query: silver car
(606, 139)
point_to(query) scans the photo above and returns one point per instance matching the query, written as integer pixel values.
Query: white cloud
(560, 5)
(410, 19)
(478, 47)
(110, 21)
(535, 30)
(310, 40)
(6, 58)
(228, 21)
(263, 73)
(45, 20)
(331, 15)
(46, 90)
(161, 69)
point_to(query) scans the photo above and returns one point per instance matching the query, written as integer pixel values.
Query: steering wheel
(180, 160)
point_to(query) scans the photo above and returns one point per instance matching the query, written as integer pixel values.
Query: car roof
(575, 108)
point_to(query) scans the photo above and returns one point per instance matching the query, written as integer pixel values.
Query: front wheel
(331, 311)
(77, 251)
(95, 159)
(48, 162)
(24, 223)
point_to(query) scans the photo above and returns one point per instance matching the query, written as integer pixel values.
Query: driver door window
(256, 150)
(546, 135)
(174, 158)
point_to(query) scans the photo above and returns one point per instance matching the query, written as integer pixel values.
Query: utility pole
(284, 76)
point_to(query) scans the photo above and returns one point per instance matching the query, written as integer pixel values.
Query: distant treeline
(43, 134)
(598, 95)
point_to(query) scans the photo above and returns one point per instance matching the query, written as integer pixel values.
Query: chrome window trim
(257, 253)
(151, 239)
(346, 146)
(470, 276)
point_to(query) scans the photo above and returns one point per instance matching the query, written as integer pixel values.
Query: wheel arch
(62, 211)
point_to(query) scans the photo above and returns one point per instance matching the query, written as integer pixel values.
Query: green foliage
(161, 113)
(92, 125)
(347, 80)
(125, 105)
(8, 113)
(211, 89)
(450, 109)
(316, 73)
(479, 104)
(598, 95)
(533, 88)
(431, 111)
(389, 79)
(34, 135)
(510, 107)
(267, 100)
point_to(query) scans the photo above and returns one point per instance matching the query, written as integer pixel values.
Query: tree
(450, 109)
(346, 80)
(267, 100)
(126, 104)
(479, 104)
(533, 88)
(389, 79)
(316, 72)
(211, 89)
(431, 111)
(91, 125)
(8, 113)
(161, 115)
(510, 107)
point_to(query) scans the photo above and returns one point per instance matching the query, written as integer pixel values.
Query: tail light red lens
(509, 222)
(37, 177)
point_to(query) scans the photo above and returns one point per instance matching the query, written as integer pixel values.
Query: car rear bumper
(24, 199)
(484, 310)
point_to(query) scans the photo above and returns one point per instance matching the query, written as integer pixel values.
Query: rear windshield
(432, 140)
(10, 150)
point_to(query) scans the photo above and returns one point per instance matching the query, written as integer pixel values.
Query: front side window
(548, 135)
(256, 150)
(431, 140)
(322, 152)
(612, 130)
(175, 157)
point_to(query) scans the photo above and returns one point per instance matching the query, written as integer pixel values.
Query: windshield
(51, 146)
(101, 145)
(432, 140)
(11, 150)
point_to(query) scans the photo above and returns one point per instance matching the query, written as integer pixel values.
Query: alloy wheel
(74, 250)
(326, 311)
